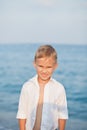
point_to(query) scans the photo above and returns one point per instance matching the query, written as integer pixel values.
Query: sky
(48, 21)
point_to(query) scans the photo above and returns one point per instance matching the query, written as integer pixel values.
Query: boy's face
(45, 68)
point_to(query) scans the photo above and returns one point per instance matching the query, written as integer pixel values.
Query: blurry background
(24, 26)
(59, 21)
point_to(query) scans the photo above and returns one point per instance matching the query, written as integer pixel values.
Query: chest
(45, 96)
(48, 109)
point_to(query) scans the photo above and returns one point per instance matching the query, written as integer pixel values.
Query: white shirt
(54, 104)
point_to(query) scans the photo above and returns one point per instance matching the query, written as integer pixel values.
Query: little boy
(43, 104)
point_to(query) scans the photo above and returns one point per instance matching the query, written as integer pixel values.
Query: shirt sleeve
(22, 107)
(62, 105)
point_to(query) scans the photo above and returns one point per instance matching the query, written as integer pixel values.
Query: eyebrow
(49, 66)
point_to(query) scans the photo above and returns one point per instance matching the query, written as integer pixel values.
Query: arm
(22, 123)
(61, 124)
(63, 111)
(22, 109)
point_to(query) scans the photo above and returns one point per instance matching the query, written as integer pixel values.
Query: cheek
(51, 71)
(38, 69)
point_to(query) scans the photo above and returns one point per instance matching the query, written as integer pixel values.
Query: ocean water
(16, 67)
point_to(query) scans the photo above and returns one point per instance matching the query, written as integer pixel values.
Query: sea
(16, 67)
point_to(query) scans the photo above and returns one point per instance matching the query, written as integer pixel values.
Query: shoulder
(29, 84)
(58, 86)
(57, 83)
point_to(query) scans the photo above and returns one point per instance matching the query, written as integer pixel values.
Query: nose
(44, 70)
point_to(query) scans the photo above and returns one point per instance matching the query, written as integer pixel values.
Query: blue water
(16, 66)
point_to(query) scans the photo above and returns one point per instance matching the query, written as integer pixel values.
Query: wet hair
(46, 51)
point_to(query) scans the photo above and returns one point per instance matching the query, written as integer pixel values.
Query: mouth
(44, 75)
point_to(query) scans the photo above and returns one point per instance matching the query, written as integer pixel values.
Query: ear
(34, 64)
(55, 66)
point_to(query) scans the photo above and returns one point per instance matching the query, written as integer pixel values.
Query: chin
(45, 78)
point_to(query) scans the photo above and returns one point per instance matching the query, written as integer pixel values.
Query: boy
(42, 104)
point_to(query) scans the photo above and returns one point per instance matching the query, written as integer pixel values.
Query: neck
(43, 82)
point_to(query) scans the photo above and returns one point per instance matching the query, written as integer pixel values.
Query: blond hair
(46, 51)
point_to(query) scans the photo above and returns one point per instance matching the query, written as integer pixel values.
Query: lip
(44, 75)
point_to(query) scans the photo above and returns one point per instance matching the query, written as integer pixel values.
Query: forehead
(45, 60)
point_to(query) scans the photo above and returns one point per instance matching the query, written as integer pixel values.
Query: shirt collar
(36, 81)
